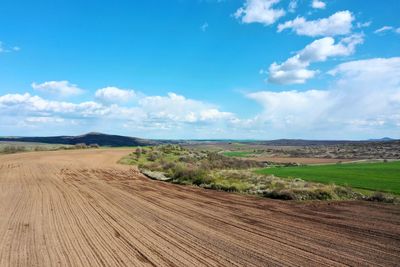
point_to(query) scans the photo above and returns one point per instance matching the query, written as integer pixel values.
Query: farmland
(81, 208)
(299, 150)
(182, 205)
(383, 176)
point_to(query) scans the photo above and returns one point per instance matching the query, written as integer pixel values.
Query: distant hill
(290, 142)
(90, 138)
(382, 139)
(119, 140)
(301, 142)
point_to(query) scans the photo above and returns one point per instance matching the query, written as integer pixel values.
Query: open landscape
(199, 133)
(81, 208)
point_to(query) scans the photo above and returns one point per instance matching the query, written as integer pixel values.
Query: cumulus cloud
(364, 99)
(179, 108)
(339, 23)
(58, 88)
(36, 105)
(284, 108)
(259, 11)
(171, 112)
(295, 69)
(318, 4)
(113, 94)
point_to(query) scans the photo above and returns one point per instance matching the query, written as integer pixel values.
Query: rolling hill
(89, 138)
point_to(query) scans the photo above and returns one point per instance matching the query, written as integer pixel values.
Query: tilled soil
(80, 208)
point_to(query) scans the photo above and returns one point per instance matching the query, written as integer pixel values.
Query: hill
(90, 138)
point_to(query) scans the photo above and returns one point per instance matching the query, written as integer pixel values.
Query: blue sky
(259, 69)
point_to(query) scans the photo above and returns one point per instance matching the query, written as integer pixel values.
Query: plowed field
(80, 208)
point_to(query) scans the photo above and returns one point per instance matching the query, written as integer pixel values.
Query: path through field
(80, 208)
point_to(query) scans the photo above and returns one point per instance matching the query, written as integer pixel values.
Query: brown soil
(79, 208)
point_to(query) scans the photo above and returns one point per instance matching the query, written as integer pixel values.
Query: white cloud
(291, 107)
(295, 69)
(364, 100)
(112, 94)
(172, 107)
(339, 23)
(260, 11)
(363, 24)
(290, 72)
(318, 4)
(178, 108)
(171, 112)
(35, 105)
(58, 88)
(384, 29)
(44, 120)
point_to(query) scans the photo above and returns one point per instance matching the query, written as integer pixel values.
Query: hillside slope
(90, 138)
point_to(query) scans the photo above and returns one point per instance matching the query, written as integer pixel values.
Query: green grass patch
(383, 176)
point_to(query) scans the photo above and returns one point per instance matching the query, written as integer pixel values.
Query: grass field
(383, 176)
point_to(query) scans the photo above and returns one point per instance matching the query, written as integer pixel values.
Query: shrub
(185, 173)
(138, 152)
(166, 166)
(80, 146)
(14, 149)
(345, 193)
(320, 194)
(94, 146)
(380, 197)
(283, 194)
(153, 156)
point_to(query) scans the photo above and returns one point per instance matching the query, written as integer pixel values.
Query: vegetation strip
(212, 170)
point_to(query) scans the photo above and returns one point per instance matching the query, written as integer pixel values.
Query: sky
(201, 69)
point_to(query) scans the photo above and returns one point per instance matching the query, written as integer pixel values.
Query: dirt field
(79, 208)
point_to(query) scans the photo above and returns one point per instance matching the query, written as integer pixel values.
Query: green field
(384, 176)
(241, 154)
